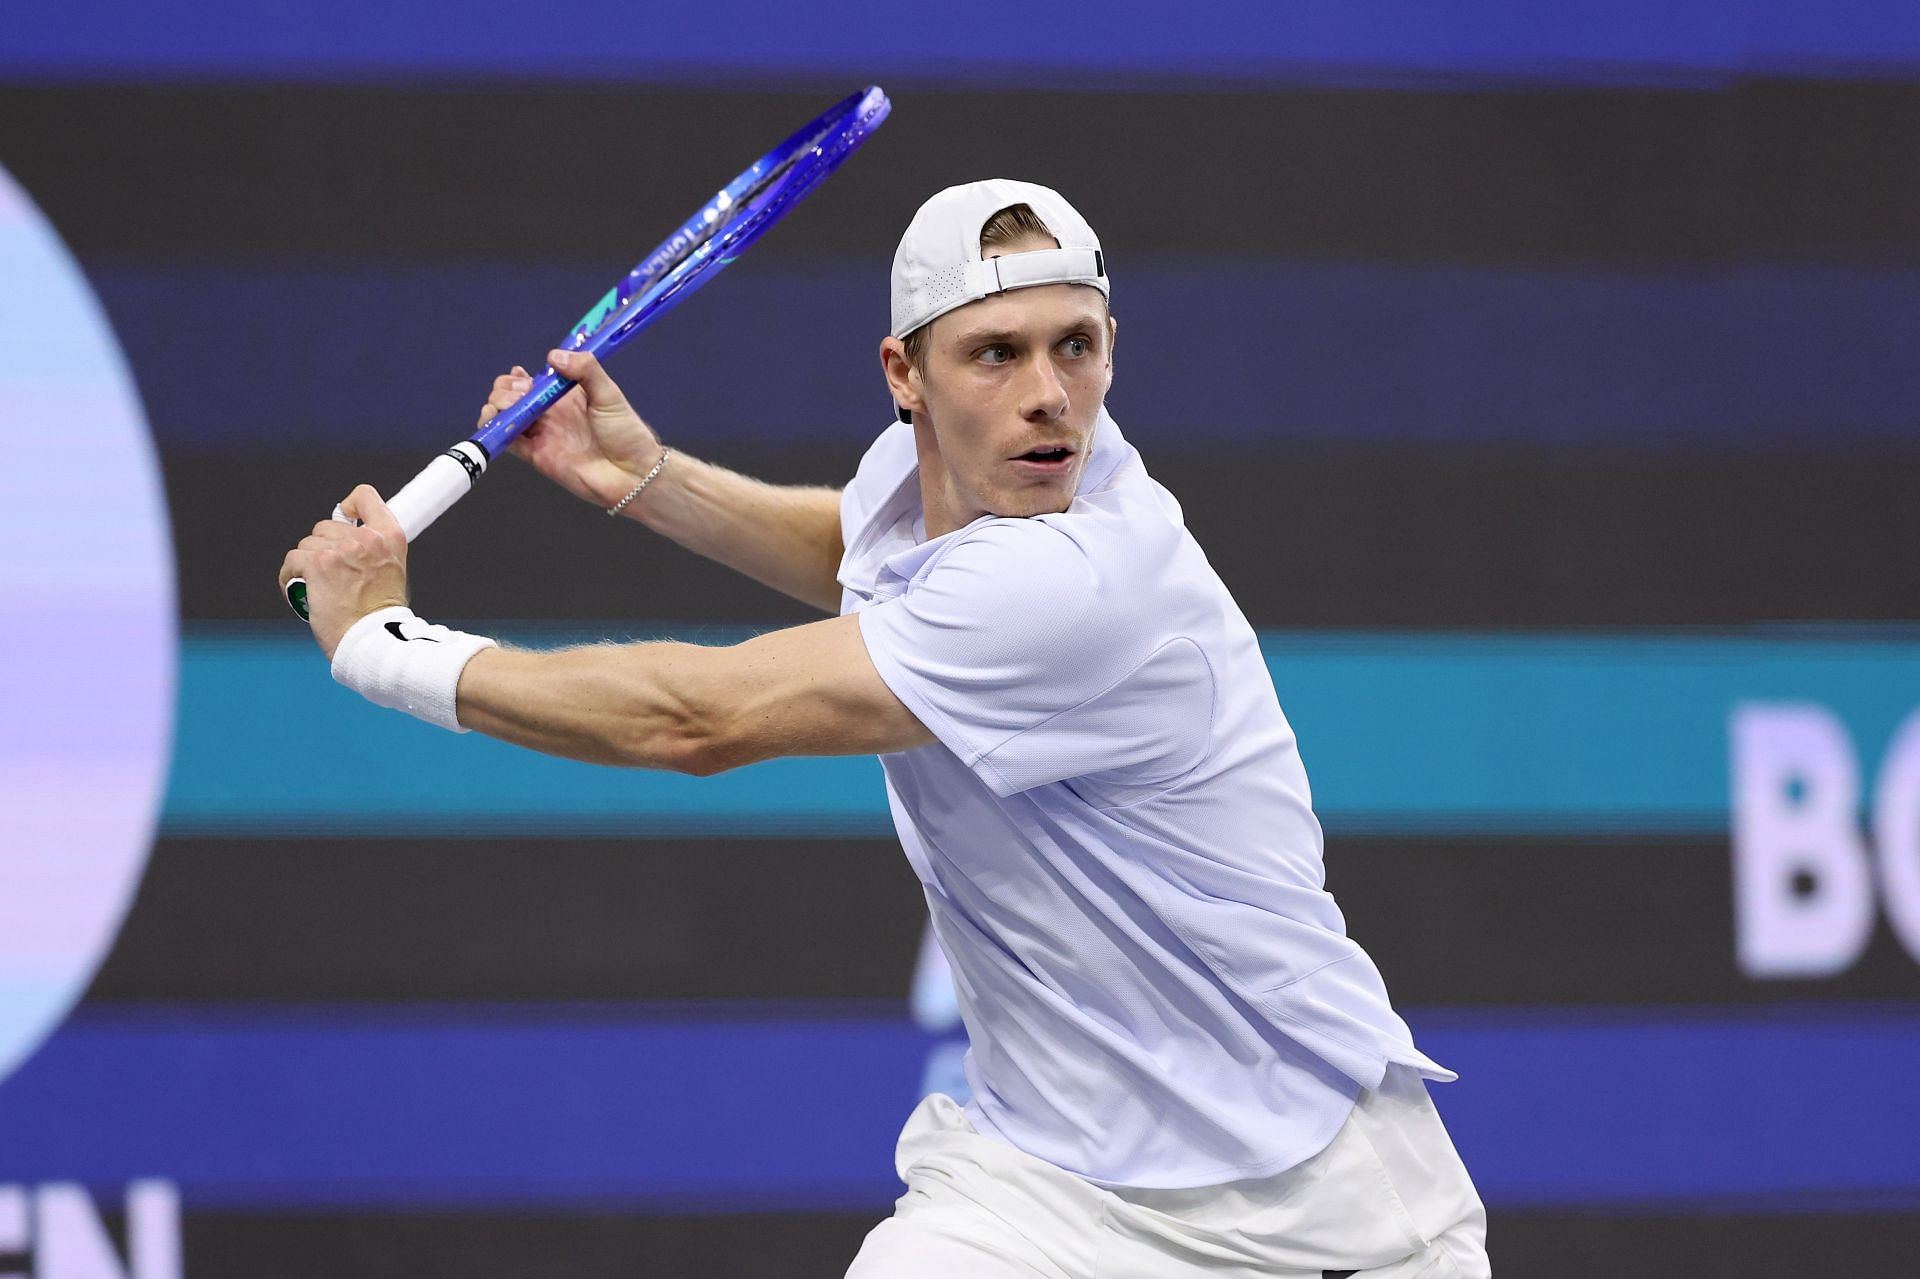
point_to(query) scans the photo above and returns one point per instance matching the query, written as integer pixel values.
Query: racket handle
(426, 497)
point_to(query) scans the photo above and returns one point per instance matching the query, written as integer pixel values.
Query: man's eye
(1077, 346)
(995, 354)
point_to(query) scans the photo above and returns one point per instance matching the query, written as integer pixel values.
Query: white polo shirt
(1114, 833)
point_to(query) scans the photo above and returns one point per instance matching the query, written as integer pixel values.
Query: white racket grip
(444, 481)
(425, 499)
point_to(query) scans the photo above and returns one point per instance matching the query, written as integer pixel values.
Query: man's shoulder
(1010, 551)
(1059, 572)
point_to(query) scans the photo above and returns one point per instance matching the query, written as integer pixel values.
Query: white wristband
(394, 659)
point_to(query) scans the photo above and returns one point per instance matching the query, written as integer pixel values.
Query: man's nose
(1045, 395)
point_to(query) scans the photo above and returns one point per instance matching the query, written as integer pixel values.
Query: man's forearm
(805, 690)
(631, 706)
(785, 537)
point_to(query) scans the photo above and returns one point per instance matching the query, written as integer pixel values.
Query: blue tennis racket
(740, 213)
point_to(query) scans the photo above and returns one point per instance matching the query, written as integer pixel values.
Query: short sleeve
(1032, 666)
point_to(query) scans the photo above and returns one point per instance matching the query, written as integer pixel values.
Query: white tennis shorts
(1387, 1199)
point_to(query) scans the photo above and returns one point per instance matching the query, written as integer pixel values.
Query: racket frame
(737, 215)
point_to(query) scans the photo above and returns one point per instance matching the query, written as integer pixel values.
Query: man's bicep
(810, 690)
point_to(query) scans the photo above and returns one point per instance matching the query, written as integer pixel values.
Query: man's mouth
(1048, 455)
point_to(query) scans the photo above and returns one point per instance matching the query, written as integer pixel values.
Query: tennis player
(1180, 1064)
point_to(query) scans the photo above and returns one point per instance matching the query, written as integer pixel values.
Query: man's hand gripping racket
(737, 215)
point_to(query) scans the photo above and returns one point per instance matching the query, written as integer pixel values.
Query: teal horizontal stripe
(1482, 732)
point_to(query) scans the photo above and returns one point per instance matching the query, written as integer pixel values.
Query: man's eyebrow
(986, 337)
(983, 337)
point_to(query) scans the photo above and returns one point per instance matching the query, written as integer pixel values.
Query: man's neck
(940, 512)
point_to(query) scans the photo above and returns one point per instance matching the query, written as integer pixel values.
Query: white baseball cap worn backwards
(938, 265)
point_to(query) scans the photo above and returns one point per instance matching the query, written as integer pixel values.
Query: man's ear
(903, 380)
(1113, 335)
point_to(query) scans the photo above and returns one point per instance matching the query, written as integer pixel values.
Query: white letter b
(1803, 890)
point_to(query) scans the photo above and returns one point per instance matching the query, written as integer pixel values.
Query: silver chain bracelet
(639, 488)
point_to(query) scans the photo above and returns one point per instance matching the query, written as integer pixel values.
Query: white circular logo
(88, 636)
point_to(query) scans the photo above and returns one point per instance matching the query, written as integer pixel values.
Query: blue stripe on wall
(1498, 733)
(1214, 41)
(1586, 1108)
(1747, 357)
(642, 1109)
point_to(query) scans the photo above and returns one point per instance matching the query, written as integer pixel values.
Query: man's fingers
(312, 554)
(508, 390)
(364, 504)
(584, 368)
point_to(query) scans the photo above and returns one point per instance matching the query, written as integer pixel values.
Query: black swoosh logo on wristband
(393, 629)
